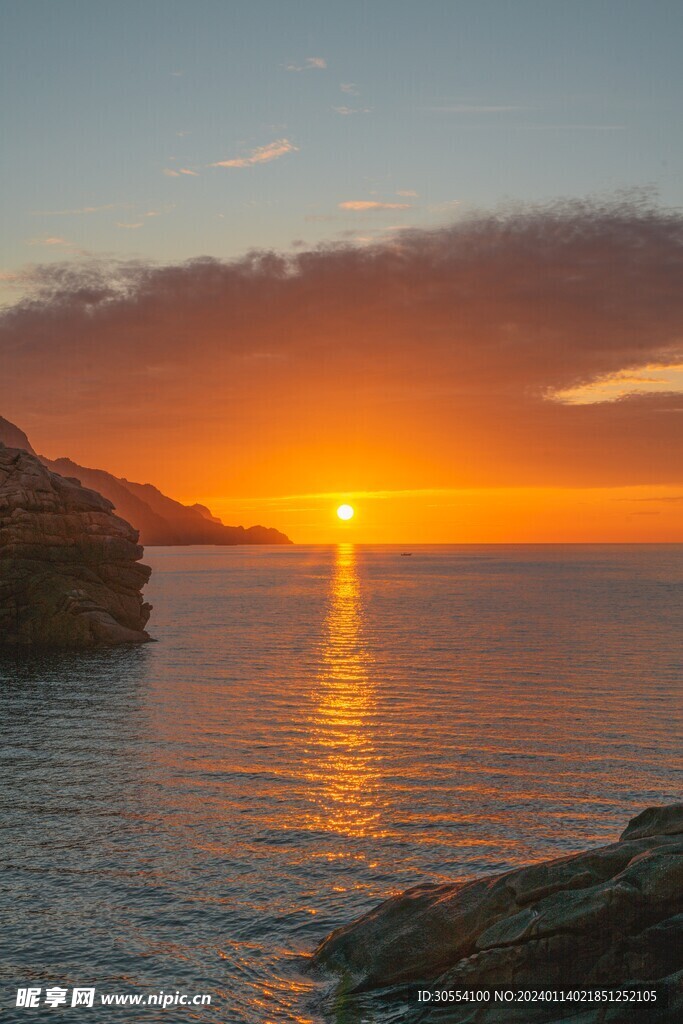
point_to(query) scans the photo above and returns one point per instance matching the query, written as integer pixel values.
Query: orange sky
(474, 516)
(510, 378)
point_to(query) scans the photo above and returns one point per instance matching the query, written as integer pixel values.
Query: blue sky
(427, 110)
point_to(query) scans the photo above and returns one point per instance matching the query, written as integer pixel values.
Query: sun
(346, 512)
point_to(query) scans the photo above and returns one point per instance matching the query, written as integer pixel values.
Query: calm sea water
(316, 729)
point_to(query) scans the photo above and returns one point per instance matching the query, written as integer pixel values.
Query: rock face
(69, 569)
(611, 917)
(13, 437)
(158, 518)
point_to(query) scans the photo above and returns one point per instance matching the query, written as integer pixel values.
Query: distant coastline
(160, 520)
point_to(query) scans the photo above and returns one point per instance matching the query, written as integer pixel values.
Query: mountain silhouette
(160, 520)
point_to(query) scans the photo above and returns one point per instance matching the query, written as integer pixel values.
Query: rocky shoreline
(70, 574)
(159, 520)
(607, 918)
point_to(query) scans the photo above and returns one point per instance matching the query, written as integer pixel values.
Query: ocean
(318, 728)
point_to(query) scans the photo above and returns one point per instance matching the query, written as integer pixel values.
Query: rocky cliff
(158, 519)
(13, 437)
(70, 574)
(609, 918)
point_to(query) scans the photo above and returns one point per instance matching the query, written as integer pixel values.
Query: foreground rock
(69, 569)
(611, 917)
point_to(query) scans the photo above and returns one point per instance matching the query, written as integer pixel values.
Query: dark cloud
(449, 336)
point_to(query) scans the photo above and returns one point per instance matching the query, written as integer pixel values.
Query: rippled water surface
(316, 729)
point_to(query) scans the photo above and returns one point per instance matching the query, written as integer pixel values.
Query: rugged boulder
(69, 569)
(610, 917)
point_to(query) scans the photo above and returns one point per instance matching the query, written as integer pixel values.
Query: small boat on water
(406, 554)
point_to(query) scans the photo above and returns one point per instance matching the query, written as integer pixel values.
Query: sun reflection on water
(343, 768)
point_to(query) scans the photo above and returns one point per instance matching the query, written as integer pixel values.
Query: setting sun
(346, 512)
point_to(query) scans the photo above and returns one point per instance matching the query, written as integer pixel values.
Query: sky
(424, 258)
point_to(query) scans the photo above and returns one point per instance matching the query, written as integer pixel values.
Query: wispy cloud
(346, 111)
(50, 240)
(350, 88)
(504, 108)
(145, 216)
(310, 64)
(650, 378)
(664, 497)
(569, 127)
(171, 173)
(476, 108)
(80, 210)
(408, 192)
(260, 155)
(448, 206)
(359, 205)
(511, 127)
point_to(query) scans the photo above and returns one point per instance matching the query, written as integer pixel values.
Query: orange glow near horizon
(461, 489)
(474, 516)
